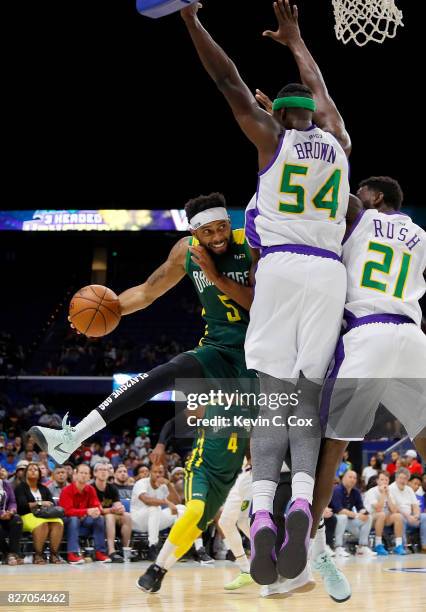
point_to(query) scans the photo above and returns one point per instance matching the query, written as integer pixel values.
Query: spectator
(19, 474)
(113, 511)
(330, 522)
(413, 466)
(112, 449)
(345, 498)
(45, 476)
(141, 440)
(50, 419)
(391, 467)
(69, 468)
(10, 462)
(344, 466)
(151, 509)
(59, 482)
(97, 453)
(406, 500)
(36, 409)
(382, 507)
(10, 524)
(84, 512)
(415, 483)
(372, 469)
(424, 483)
(141, 471)
(3, 473)
(29, 448)
(31, 494)
(124, 487)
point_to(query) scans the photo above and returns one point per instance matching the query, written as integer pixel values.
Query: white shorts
(240, 495)
(378, 363)
(296, 315)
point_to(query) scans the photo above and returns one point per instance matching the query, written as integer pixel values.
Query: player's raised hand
(190, 12)
(264, 101)
(288, 25)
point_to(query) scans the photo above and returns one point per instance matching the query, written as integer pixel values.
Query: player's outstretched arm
(327, 117)
(161, 280)
(259, 127)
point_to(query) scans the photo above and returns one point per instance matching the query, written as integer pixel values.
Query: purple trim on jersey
(354, 224)
(274, 159)
(300, 249)
(339, 357)
(311, 127)
(251, 233)
(353, 321)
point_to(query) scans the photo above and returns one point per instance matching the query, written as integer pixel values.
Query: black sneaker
(150, 582)
(202, 557)
(116, 557)
(152, 552)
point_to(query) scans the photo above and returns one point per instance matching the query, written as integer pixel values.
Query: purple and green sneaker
(263, 535)
(293, 555)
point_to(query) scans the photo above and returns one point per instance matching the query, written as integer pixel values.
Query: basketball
(95, 311)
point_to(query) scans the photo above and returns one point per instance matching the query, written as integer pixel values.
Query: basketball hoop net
(365, 20)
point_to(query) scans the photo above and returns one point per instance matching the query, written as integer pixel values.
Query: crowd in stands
(109, 491)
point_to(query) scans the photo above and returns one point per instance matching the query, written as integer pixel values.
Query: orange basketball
(95, 311)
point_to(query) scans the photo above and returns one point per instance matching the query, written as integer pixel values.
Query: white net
(365, 20)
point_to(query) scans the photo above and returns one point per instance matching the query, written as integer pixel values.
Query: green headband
(294, 102)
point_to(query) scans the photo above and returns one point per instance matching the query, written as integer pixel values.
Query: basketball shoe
(301, 584)
(150, 582)
(293, 555)
(59, 443)
(263, 535)
(335, 582)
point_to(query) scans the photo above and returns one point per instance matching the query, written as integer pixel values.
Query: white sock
(378, 540)
(318, 543)
(398, 541)
(92, 423)
(263, 495)
(243, 563)
(198, 543)
(167, 549)
(302, 485)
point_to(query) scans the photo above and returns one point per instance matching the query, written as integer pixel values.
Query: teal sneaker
(399, 550)
(381, 550)
(335, 582)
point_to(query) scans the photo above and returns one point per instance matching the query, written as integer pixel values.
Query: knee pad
(195, 510)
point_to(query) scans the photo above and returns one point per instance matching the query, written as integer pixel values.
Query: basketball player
(218, 261)
(382, 355)
(298, 223)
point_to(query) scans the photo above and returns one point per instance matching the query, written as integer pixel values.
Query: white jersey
(303, 194)
(385, 256)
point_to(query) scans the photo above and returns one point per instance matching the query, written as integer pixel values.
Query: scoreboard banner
(101, 220)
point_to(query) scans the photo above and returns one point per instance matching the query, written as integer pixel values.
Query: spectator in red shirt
(84, 512)
(392, 467)
(413, 466)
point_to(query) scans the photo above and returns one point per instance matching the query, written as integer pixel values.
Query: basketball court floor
(191, 587)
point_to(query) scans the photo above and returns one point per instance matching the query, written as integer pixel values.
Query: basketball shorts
(240, 496)
(221, 362)
(376, 363)
(296, 315)
(201, 484)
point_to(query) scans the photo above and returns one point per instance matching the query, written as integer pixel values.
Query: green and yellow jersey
(226, 321)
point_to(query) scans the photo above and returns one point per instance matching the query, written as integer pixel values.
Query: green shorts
(202, 485)
(222, 362)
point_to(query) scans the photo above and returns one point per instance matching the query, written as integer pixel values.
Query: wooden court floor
(190, 588)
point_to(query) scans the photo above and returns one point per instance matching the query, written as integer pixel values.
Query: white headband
(207, 216)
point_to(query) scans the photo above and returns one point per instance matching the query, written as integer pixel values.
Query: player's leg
(318, 328)
(268, 446)
(60, 444)
(228, 521)
(183, 533)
